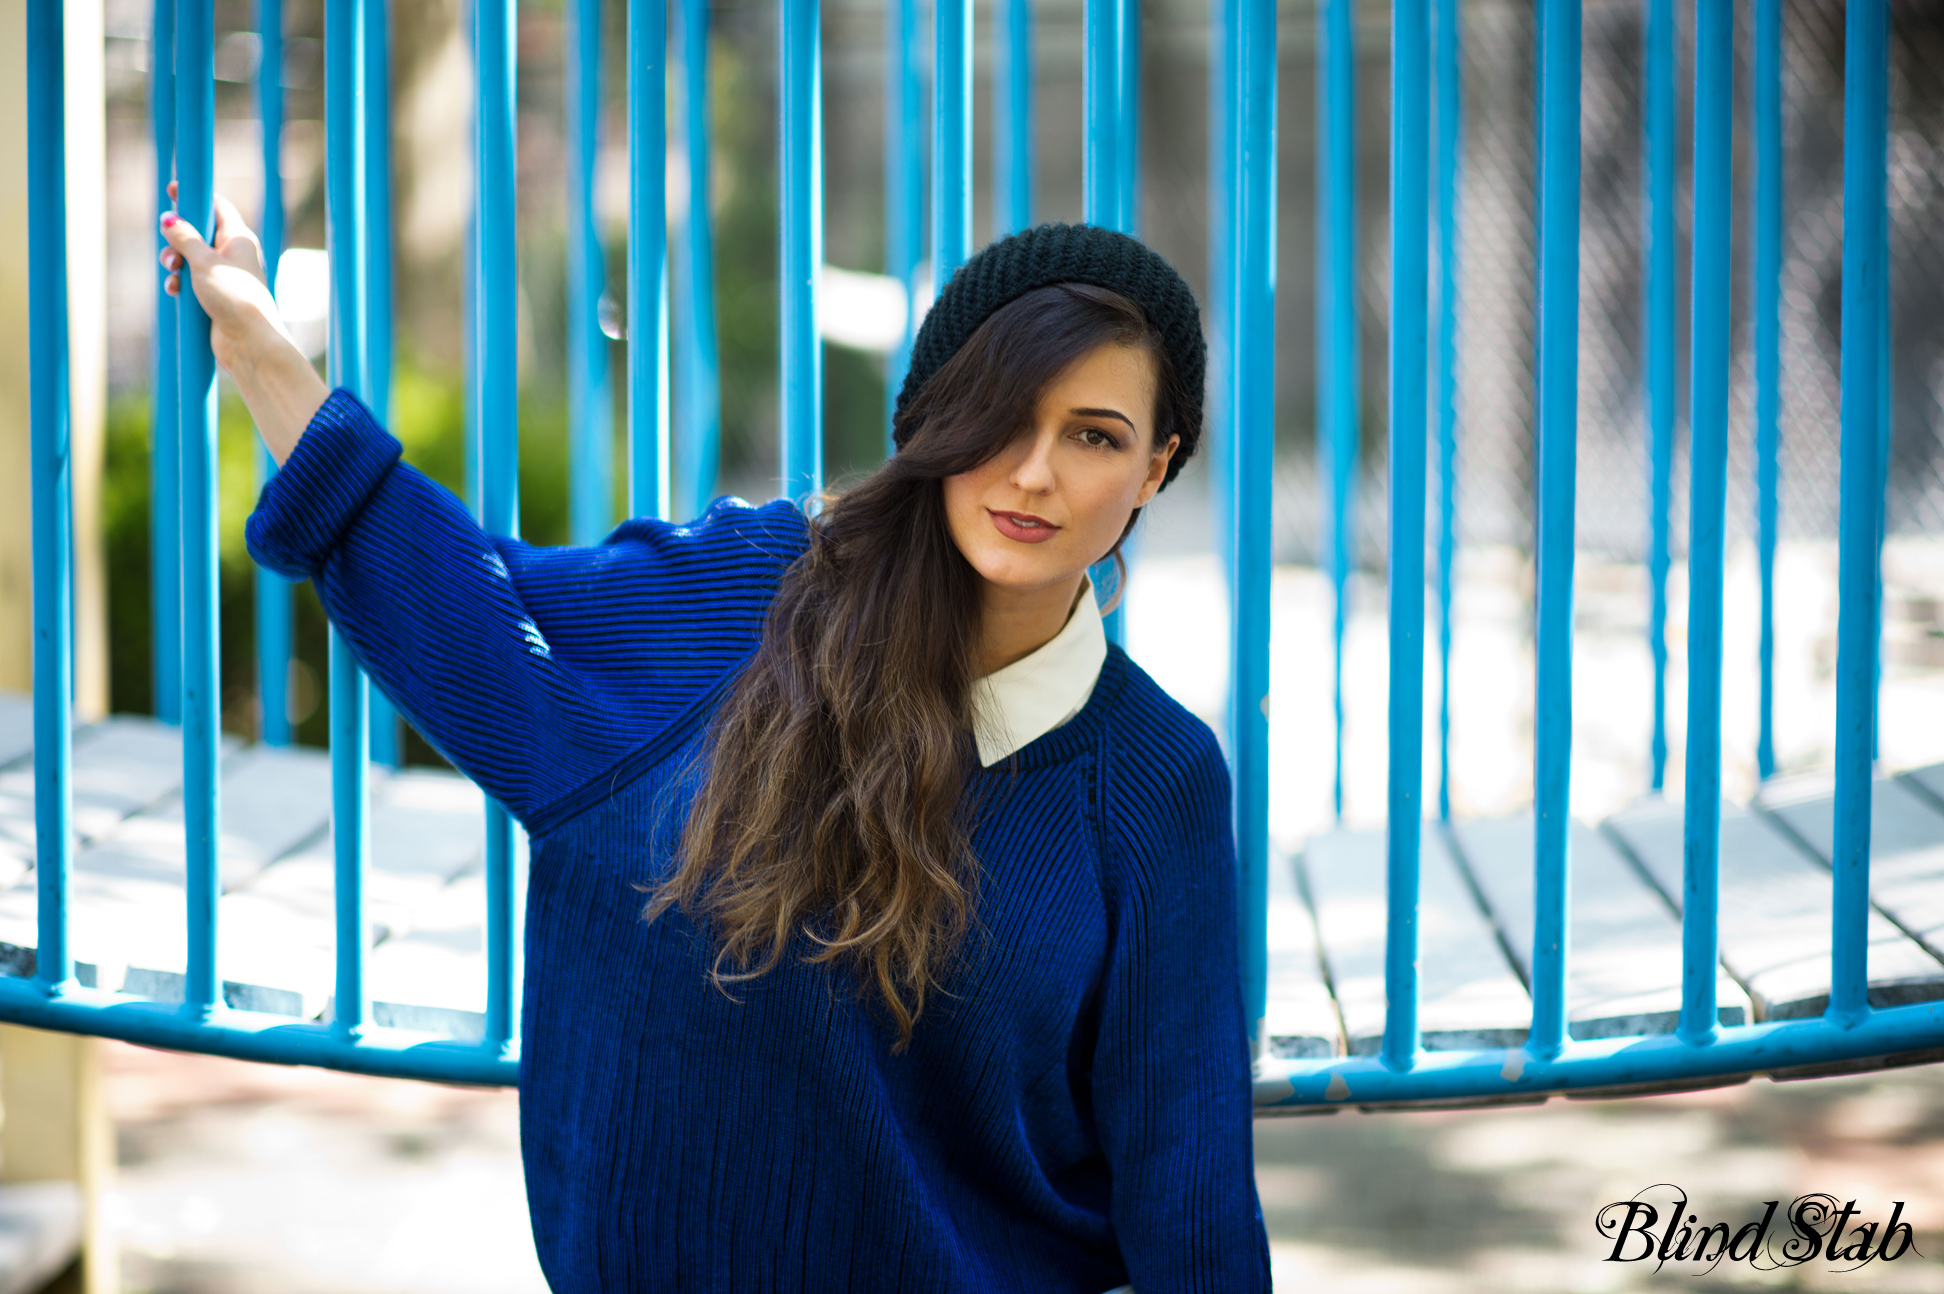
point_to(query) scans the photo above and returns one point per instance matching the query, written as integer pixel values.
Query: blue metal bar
(252, 1035)
(273, 591)
(1220, 416)
(1882, 475)
(345, 178)
(202, 714)
(1108, 175)
(698, 388)
(1250, 351)
(1410, 238)
(1768, 348)
(1714, 77)
(904, 185)
(1127, 90)
(1285, 1086)
(165, 455)
(1559, 100)
(350, 832)
(496, 380)
(1109, 180)
(648, 445)
(951, 232)
(1450, 97)
(1860, 521)
(375, 214)
(801, 145)
(1338, 361)
(52, 484)
(376, 219)
(1012, 118)
(1660, 352)
(590, 397)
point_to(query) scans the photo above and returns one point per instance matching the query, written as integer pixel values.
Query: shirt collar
(1021, 703)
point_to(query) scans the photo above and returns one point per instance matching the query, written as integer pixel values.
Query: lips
(1023, 526)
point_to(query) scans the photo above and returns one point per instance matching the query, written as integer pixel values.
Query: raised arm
(538, 671)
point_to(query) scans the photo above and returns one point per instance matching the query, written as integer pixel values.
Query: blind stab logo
(1812, 1227)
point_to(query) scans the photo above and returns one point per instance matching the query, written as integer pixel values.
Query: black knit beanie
(1050, 254)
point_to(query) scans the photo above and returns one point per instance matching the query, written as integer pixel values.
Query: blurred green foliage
(428, 415)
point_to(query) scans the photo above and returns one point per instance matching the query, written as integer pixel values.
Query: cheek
(961, 498)
(1105, 499)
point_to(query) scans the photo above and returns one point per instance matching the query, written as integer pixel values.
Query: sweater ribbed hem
(306, 507)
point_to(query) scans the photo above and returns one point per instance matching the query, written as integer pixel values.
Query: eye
(1098, 438)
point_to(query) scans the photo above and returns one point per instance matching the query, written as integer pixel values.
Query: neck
(1017, 622)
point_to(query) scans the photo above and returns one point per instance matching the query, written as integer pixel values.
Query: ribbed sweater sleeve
(1171, 1066)
(534, 670)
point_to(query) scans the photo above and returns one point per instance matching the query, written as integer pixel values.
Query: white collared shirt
(1029, 698)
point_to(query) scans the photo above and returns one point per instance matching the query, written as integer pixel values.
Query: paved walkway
(240, 1179)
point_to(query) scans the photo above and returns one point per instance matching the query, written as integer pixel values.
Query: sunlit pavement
(256, 1178)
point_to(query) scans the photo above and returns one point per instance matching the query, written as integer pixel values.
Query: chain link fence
(1497, 308)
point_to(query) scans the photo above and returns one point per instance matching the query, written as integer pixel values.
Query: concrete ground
(243, 1178)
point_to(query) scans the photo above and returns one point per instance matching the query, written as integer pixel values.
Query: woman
(934, 987)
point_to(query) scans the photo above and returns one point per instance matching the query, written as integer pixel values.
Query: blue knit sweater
(1072, 1115)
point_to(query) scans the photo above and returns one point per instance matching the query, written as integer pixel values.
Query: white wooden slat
(1929, 779)
(428, 823)
(1624, 961)
(16, 726)
(1774, 912)
(122, 766)
(1906, 845)
(432, 974)
(439, 965)
(273, 800)
(276, 922)
(1468, 994)
(1300, 1021)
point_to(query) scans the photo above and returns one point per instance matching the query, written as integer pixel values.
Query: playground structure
(1439, 962)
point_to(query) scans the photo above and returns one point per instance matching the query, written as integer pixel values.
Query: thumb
(185, 241)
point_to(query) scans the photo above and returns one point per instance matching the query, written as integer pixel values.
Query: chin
(1024, 571)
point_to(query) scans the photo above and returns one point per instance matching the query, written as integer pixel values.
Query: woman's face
(1055, 500)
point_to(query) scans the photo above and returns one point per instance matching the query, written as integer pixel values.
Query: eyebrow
(1105, 413)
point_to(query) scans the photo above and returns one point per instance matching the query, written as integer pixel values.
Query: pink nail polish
(168, 218)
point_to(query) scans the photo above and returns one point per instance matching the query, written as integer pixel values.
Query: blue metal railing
(1339, 388)
(1410, 238)
(1445, 79)
(904, 183)
(1248, 439)
(195, 122)
(671, 468)
(273, 592)
(1660, 355)
(698, 398)
(1110, 162)
(1714, 66)
(801, 215)
(1559, 186)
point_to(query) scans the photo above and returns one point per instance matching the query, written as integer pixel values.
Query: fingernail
(169, 218)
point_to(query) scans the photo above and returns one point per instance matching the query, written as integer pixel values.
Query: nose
(1032, 471)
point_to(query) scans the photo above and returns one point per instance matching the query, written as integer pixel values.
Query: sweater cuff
(307, 506)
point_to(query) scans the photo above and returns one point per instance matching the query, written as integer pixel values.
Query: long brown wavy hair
(832, 799)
